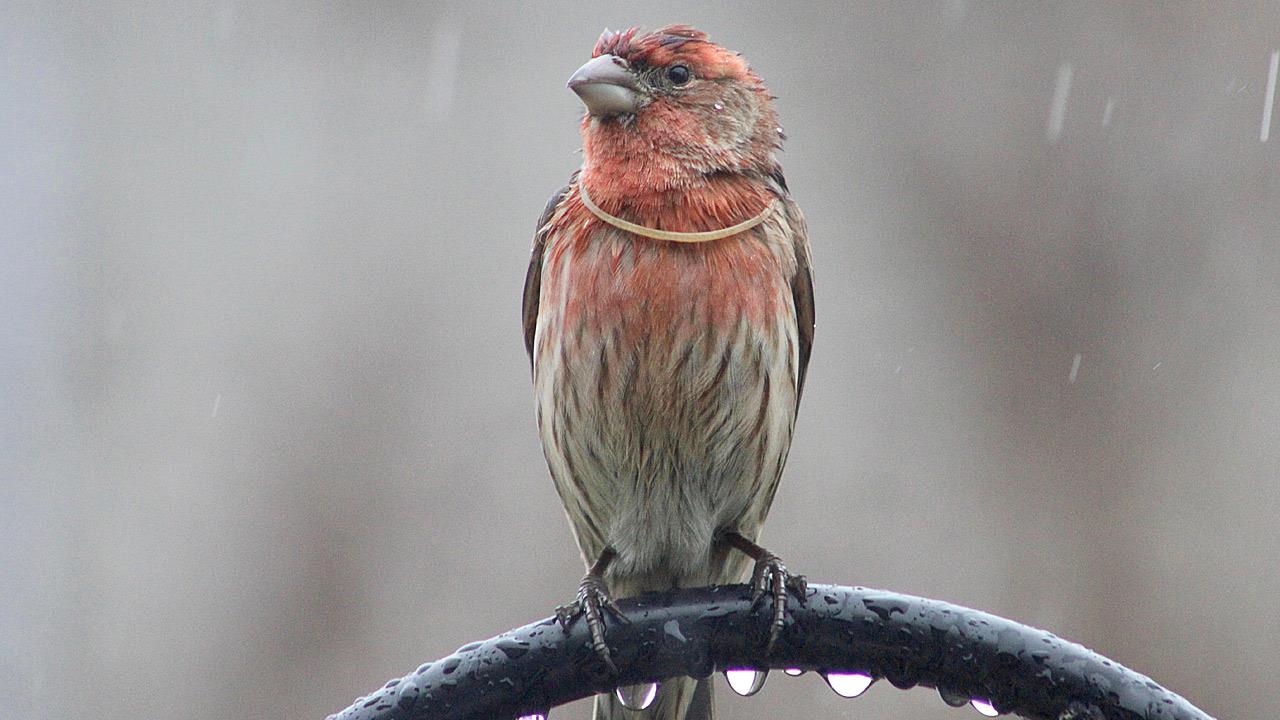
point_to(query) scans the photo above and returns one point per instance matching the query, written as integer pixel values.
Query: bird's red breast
(612, 281)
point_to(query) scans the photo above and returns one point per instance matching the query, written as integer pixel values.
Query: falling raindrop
(849, 685)
(1075, 369)
(442, 68)
(953, 14)
(225, 20)
(637, 697)
(1058, 106)
(746, 681)
(794, 672)
(984, 707)
(1270, 99)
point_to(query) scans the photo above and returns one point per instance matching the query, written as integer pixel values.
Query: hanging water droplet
(746, 681)
(849, 685)
(954, 698)
(637, 697)
(794, 672)
(984, 707)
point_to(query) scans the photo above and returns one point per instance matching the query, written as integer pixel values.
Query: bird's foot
(593, 598)
(771, 577)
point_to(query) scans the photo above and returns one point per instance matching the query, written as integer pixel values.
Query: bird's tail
(678, 699)
(682, 698)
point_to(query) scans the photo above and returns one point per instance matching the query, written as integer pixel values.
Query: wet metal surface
(905, 640)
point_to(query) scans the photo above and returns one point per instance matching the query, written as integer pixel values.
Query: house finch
(668, 315)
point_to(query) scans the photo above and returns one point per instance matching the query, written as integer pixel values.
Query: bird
(668, 316)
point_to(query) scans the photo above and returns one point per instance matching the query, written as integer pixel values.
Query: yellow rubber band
(669, 235)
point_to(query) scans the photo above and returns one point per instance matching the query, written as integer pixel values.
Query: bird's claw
(771, 576)
(593, 597)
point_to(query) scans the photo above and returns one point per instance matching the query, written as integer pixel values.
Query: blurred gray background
(268, 435)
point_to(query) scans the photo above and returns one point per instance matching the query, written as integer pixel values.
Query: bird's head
(672, 105)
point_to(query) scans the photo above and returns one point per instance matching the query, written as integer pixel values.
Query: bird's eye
(678, 74)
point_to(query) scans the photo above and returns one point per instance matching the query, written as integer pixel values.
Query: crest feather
(626, 44)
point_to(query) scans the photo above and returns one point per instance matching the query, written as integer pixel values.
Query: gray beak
(606, 86)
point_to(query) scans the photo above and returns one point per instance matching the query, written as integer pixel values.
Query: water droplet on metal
(954, 698)
(984, 707)
(794, 672)
(637, 697)
(746, 681)
(849, 685)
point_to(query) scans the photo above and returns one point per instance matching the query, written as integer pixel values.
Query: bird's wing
(802, 293)
(802, 282)
(533, 278)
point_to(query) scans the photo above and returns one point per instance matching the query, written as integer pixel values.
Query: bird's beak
(606, 86)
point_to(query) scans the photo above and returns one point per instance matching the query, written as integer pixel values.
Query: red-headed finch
(668, 315)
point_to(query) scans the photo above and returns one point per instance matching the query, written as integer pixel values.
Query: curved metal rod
(905, 640)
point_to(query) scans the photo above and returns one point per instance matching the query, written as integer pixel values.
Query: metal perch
(850, 635)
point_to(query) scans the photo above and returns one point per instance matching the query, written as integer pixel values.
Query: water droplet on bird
(718, 107)
(849, 685)
(637, 697)
(794, 672)
(984, 707)
(746, 681)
